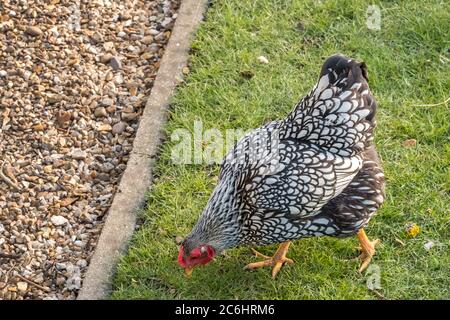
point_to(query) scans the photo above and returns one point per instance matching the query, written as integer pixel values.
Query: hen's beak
(188, 271)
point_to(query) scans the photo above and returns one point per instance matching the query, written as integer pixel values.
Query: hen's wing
(285, 175)
(299, 180)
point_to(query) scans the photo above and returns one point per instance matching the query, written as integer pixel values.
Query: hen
(315, 173)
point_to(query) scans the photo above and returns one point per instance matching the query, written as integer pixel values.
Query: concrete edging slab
(121, 220)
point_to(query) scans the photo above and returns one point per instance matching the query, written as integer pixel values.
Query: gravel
(73, 85)
(115, 63)
(58, 220)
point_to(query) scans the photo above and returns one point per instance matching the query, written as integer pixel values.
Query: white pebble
(428, 245)
(263, 59)
(22, 286)
(58, 220)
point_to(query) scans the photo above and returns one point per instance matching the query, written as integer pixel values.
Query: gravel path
(74, 77)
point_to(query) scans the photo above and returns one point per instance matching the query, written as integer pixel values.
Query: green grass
(408, 62)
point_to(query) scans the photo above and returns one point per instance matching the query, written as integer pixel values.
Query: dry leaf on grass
(409, 143)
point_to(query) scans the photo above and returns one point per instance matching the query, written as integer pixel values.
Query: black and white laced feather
(313, 173)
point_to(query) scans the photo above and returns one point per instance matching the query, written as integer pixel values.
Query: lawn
(408, 61)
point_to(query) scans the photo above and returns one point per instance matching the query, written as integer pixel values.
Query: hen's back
(339, 113)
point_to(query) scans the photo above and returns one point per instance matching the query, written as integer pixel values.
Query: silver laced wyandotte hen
(315, 173)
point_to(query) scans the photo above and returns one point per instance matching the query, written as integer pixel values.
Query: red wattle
(181, 260)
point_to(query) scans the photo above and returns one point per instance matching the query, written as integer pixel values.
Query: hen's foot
(367, 248)
(277, 261)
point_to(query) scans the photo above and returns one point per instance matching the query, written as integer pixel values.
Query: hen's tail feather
(356, 71)
(339, 113)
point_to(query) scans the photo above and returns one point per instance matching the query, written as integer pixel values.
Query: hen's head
(191, 258)
(218, 227)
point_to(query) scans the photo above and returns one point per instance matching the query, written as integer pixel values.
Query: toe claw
(367, 248)
(258, 264)
(276, 269)
(365, 264)
(259, 254)
(289, 261)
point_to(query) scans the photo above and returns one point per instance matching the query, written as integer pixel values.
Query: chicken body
(314, 173)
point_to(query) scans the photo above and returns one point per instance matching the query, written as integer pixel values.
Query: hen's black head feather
(344, 66)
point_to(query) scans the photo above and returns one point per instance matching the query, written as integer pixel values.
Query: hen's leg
(367, 248)
(277, 261)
